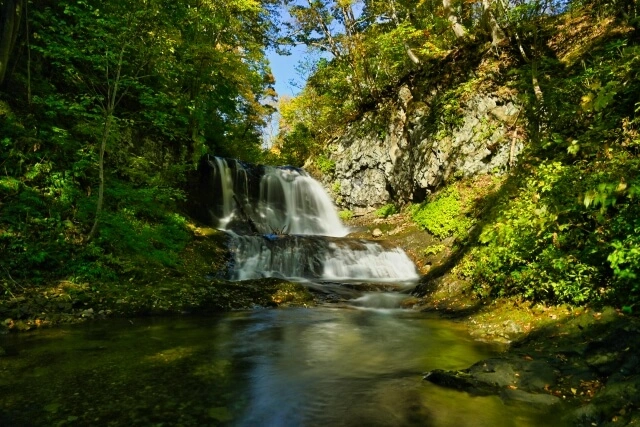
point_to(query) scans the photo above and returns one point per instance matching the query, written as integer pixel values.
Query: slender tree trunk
(109, 109)
(26, 23)
(106, 130)
(458, 29)
(10, 15)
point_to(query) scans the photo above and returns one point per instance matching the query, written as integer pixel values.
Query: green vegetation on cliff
(564, 226)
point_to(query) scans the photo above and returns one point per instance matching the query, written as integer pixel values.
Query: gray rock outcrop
(408, 153)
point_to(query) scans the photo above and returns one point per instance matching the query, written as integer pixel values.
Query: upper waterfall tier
(281, 200)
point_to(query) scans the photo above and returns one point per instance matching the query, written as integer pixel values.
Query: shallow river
(282, 367)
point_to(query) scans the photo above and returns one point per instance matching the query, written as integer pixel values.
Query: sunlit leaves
(600, 97)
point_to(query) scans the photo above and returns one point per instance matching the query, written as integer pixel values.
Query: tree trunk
(497, 35)
(458, 29)
(103, 145)
(9, 27)
(412, 56)
(109, 108)
(26, 25)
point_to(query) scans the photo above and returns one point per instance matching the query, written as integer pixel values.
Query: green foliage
(387, 210)
(565, 228)
(336, 187)
(296, 146)
(326, 165)
(139, 232)
(466, 268)
(179, 95)
(624, 258)
(443, 216)
(369, 59)
(345, 215)
(433, 249)
(194, 80)
(87, 45)
(42, 229)
(547, 244)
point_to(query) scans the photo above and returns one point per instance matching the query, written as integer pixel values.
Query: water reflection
(294, 367)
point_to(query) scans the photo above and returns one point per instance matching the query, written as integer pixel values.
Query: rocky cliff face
(406, 151)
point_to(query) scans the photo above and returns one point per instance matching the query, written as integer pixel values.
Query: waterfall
(232, 181)
(319, 258)
(281, 200)
(282, 223)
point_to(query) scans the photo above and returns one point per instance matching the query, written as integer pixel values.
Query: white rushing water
(292, 201)
(372, 262)
(277, 200)
(283, 224)
(231, 181)
(307, 257)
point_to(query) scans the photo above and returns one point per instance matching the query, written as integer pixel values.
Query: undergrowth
(387, 210)
(443, 215)
(48, 203)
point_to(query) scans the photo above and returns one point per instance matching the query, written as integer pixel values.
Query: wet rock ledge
(589, 361)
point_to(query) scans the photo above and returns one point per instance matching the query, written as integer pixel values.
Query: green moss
(433, 249)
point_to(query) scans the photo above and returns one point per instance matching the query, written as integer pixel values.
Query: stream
(294, 367)
(356, 362)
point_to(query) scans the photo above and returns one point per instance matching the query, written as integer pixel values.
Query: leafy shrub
(326, 165)
(443, 216)
(433, 249)
(143, 227)
(336, 187)
(387, 210)
(554, 240)
(345, 215)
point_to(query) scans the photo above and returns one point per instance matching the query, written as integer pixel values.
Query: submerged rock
(534, 399)
(510, 378)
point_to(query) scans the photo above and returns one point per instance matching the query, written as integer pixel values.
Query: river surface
(327, 366)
